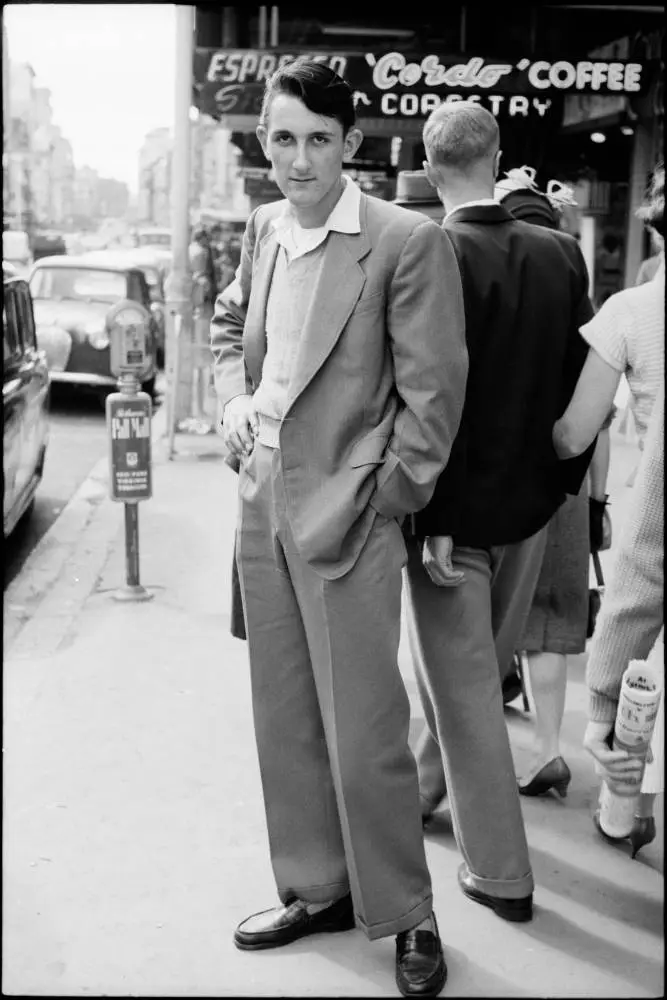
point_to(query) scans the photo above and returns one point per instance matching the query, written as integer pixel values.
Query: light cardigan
(631, 617)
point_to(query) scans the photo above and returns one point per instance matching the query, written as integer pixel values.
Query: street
(77, 441)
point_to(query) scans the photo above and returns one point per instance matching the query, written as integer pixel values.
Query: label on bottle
(637, 708)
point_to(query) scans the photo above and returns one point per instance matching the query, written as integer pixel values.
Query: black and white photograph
(333, 474)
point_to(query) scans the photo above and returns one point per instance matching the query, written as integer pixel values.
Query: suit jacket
(377, 390)
(526, 296)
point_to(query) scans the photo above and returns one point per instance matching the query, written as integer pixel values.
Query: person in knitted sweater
(631, 627)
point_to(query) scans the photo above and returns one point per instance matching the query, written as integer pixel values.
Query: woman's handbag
(595, 595)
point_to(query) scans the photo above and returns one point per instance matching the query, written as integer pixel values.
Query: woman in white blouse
(626, 337)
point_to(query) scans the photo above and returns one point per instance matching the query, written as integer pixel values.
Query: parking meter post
(171, 396)
(133, 589)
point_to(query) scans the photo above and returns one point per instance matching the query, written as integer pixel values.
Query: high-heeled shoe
(555, 774)
(643, 832)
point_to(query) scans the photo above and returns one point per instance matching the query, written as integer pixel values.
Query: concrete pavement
(134, 836)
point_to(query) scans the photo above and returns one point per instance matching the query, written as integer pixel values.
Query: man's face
(306, 150)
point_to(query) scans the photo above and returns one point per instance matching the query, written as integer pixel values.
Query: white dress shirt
(344, 218)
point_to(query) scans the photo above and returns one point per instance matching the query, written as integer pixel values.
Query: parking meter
(129, 414)
(131, 343)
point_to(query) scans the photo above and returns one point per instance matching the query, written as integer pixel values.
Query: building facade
(557, 77)
(216, 182)
(39, 175)
(155, 178)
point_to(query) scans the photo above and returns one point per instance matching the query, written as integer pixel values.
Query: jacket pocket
(369, 451)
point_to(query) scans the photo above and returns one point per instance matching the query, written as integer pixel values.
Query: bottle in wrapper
(635, 718)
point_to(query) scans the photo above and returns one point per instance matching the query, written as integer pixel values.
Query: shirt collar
(344, 217)
(469, 204)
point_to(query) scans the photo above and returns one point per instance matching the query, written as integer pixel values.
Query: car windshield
(79, 284)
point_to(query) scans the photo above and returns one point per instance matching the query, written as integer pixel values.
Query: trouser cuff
(513, 888)
(389, 928)
(316, 893)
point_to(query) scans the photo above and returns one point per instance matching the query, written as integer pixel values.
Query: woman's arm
(589, 407)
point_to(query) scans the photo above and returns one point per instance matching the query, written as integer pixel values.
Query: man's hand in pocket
(437, 560)
(240, 425)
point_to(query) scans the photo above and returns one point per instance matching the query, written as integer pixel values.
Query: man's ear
(263, 137)
(431, 174)
(496, 164)
(353, 140)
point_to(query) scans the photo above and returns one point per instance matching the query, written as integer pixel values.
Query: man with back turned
(476, 551)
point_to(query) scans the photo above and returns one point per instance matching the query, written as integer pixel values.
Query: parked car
(151, 262)
(47, 244)
(72, 296)
(25, 393)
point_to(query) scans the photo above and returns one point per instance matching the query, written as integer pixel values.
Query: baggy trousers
(331, 714)
(458, 635)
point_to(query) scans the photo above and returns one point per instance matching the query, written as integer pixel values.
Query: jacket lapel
(254, 333)
(340, 283)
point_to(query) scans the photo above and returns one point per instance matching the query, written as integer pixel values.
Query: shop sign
(395, 85)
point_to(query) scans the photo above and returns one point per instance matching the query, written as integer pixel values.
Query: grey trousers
(331, 714)
(458, 637)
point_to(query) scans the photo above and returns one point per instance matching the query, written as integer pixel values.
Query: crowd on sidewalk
(404, 401)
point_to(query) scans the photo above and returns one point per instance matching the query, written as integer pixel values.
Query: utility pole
(179, 320)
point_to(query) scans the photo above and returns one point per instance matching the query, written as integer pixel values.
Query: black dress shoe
(284, 924)
(420, 963)
(517, 910)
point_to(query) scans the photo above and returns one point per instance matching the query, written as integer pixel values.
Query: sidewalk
(134, 829)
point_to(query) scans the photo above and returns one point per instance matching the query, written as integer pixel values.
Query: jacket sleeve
(426, 331)
(573, 470)
(227, 324)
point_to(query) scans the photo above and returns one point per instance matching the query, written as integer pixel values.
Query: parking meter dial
(131, 341)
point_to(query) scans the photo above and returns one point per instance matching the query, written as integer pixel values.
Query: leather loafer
(517, 910)
(284, 924)
(420, 964)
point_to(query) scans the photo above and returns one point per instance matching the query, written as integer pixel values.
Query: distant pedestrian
(340, 365)
(203, 296)
(478, 544)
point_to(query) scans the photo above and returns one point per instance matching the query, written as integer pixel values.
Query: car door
(34, 373)
(13, 396)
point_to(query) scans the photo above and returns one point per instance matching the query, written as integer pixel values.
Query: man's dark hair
(321, 90)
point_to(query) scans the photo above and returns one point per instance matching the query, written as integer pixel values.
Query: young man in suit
(476, 551)
(340, 365)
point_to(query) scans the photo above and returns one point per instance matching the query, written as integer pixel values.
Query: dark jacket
(526, 296)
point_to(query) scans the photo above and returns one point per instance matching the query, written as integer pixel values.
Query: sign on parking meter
(129, 423)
